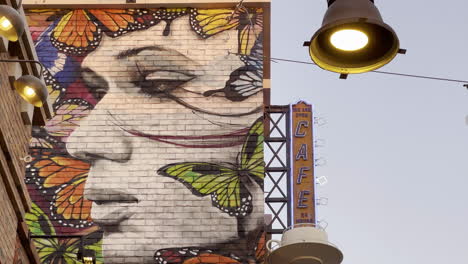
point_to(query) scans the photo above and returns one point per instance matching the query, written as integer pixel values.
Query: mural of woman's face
(161, 102)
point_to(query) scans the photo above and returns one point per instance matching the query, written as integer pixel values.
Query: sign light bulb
(29, 92)
(349, 39)
(5, 24)
(322, 201)
(322, 180)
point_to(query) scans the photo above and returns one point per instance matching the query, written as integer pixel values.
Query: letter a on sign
(302, 181)
(302, 154)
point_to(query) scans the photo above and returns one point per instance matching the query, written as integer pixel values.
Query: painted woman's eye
(163, 81)
(96, 84)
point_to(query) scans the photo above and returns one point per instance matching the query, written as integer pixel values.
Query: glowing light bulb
(349, 39)
(29, 92)
(5, 24)
(88, 260)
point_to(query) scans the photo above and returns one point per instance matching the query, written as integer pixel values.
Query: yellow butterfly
(228, 184)
(248, 21)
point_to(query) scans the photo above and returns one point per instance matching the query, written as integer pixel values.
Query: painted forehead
(79, 31)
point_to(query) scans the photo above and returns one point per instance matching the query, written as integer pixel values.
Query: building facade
(154, 153)
(16, 120)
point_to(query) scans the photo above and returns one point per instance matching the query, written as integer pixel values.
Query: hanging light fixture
(353, 38)
(86, 256)
(30, 88)
(89, 260)
(303, 244)
(11, 23)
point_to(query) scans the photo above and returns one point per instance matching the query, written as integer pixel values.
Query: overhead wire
(465, 82)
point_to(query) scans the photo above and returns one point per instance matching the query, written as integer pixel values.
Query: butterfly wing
(56, 91)
(64, 178)
(209, 258)
(222, 183)
(254, 61)
(38, 222)
(114, 21)
(191, 256)
(209, 22)
(76, 33)
(67, 117)
(243, 83)
(250, 28)
(70, 203)
(251, 156)
(176, 255)
(42, 140)
(40, 225)
(59, 250)
(260, 249)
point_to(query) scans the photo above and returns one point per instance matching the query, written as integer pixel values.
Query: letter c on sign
(298, 132)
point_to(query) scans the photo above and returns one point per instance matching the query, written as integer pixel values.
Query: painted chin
(111, 217)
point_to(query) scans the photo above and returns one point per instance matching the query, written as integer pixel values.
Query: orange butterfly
(64, 179)
(79, 31)
(42, 140)
(248, 21)
(260, 249)
(207, 258)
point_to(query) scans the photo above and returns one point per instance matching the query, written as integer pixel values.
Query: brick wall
(13, 146)
(155, 152)
(8, 224)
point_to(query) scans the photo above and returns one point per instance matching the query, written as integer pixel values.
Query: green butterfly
(54, 250)
(228, 184)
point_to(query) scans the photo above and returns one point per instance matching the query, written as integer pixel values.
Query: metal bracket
(32, 61)
(402, 51)
(306, 43)
(344, 76)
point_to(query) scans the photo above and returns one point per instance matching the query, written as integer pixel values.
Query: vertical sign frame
(302, 176)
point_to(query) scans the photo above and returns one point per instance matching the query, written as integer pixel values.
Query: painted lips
(112, 218)
(111, 207)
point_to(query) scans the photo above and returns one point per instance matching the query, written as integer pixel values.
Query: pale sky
(396, 148)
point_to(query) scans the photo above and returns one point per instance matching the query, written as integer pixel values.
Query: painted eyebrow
(133, 52)
(136, 51)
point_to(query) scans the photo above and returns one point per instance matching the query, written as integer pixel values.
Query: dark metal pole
(33, 61)
(19, 4)
(288, 165)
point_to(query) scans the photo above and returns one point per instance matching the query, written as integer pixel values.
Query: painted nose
(98, 137)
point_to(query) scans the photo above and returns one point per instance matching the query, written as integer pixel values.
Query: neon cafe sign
(302, 178)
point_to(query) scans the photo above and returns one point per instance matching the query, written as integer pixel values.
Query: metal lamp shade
(304, 245)
(363, 16)
(31, 89)
(11, 23)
